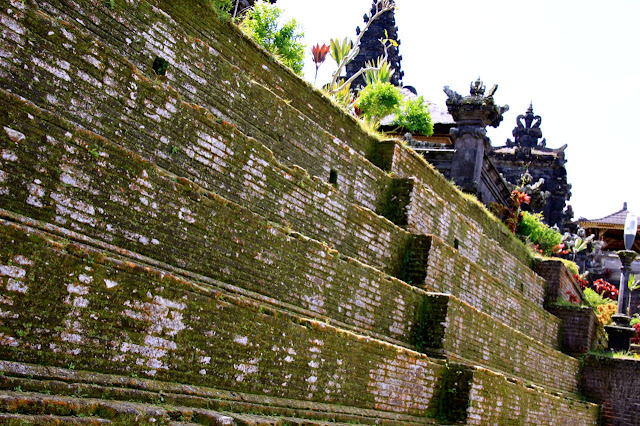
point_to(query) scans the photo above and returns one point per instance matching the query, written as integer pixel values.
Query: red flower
(583, 283)
(558, 249)
(572, 297)
(319, 53)
(520, 197)
(605, 289)
(636, 340)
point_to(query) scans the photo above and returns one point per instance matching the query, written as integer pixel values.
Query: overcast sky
(577, 61)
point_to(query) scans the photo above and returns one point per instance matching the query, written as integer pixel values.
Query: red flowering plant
(319, 54)
(636, 340)
(559, 249)
(605, 289)
(512, 215)
(573, 298)
(581, 281)
(635, 323)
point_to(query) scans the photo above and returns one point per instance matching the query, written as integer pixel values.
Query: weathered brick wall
(448, 272)
(562, 285)
(580, 328)
(228, 82)
(134, 205)
(292, 113)
(495, 399)
(65, 304)
(614, 384)
(202, 249)
(460, 332)
(195, 144)
(406, 163)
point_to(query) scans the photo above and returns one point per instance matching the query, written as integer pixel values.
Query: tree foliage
(284, 41)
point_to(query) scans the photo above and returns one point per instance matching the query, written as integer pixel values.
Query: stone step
(477, 396)
(193, 229)
(43, 408)
(450, 328)
(440, 324)
(66, 304)
(435, 266)
(183, 401)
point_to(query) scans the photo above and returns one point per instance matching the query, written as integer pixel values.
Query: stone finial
(527, 134)
(475, 110)
(624, 206)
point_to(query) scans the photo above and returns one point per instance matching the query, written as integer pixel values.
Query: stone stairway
(226, 236)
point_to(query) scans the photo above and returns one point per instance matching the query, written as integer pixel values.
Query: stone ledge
(452, 329)
(65, 382)
(69, 306)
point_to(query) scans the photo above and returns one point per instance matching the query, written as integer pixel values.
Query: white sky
(578, 61)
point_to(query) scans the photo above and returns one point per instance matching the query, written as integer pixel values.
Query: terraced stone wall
(142, 233)
(295, 122)
(68, 305)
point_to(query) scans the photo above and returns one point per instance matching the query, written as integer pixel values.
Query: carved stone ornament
(528, 133)
(476, 109)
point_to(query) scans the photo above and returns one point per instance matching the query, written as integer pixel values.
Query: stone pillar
(472, 114)
(620, 333)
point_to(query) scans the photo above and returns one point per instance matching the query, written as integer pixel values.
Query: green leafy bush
(222, 8)
(415, 117)
(378, 100)
(545, 239)
(594, 300)
(261, 24)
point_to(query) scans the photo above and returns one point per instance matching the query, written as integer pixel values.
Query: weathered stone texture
(448, 272)
(614, 384)
(181, 228)
(581, 331)
(497, 400)
(461, 332)
(77, 306)
(135, 206)
(561, 284)
(286, 123)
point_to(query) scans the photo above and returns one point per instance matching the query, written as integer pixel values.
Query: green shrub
(222, 8)
(378, 100)
(594, 300)
(261, 24)
(415, 118)
(571, 265)
(539, 234)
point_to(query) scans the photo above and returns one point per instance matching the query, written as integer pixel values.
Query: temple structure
(528, 153)
(371, 48)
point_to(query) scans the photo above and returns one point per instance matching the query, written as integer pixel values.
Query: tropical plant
(414, 117)
(378, 100)
(605, 313)
(633, 283)
(594, 299)
(577, 242)
(378, 72)
(261, 24)
(605, 289)
(635, 323)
